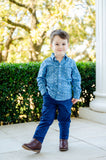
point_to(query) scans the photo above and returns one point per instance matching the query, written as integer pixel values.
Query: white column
(99, 103)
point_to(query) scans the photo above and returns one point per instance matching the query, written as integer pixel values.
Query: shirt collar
(54, 58)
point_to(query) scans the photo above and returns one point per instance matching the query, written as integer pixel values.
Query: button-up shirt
(60, 79)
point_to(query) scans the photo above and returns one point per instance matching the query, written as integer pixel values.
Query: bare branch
(29, 7)
(10, 27)
(1, 43)
(22, 5)
(17, 38)
(18, 25)
(19, 4)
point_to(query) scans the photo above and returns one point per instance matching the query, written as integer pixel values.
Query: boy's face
(59, 46)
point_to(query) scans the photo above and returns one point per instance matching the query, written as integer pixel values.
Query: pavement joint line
(101, 157)
(88, 143)
(79, 139)
(10, 151)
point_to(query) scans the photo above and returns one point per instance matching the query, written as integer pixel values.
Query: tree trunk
(7, 44)
(0, 56)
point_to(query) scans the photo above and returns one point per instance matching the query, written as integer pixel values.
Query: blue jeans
(48, 115)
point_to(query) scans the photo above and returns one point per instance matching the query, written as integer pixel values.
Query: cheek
(66, 47)
(53, 47)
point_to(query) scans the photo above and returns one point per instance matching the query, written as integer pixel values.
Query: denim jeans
(48, 115)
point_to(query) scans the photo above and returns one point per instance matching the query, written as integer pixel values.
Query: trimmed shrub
(88, 73)
(20, 99)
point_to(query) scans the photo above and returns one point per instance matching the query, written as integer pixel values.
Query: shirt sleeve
(76, 82)
(41, 78)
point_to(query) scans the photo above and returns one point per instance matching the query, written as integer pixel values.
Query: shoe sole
(25, 147)
(62, 149)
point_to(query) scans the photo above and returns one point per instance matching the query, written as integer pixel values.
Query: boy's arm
(41, 78)
(76, 83)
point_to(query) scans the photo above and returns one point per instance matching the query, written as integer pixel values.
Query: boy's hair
(58, 32)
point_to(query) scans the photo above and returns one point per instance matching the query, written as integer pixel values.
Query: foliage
(87, 71)
(20, 100)
(25, 26)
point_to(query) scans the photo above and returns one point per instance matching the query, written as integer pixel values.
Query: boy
(57, 78)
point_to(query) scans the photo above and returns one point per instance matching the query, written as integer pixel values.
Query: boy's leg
(64, 118)
(48, 115)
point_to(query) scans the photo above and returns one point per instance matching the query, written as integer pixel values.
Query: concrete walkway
(87, 141)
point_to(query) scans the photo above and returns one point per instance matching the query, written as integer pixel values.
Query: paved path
(87, 141)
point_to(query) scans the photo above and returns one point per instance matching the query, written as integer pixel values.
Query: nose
(60, 46)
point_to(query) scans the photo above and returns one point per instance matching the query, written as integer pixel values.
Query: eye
(57, 44)
(63, 44)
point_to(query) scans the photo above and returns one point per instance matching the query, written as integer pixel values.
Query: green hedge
(20, 99)
(88, 75)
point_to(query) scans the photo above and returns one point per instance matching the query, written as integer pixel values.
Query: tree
(80, 24)
(33, 20)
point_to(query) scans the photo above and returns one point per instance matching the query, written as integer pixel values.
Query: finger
(74, 101)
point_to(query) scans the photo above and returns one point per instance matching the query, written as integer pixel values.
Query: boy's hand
(74, 100)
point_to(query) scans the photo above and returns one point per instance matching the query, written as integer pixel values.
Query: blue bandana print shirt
(59, 79)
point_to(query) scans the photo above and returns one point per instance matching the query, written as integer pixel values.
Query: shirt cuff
(43, 92)
(76, 96)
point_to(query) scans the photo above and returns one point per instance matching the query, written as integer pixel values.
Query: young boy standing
(58, 77)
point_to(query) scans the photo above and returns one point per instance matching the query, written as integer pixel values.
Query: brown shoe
(34, 145)
(63, 145)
